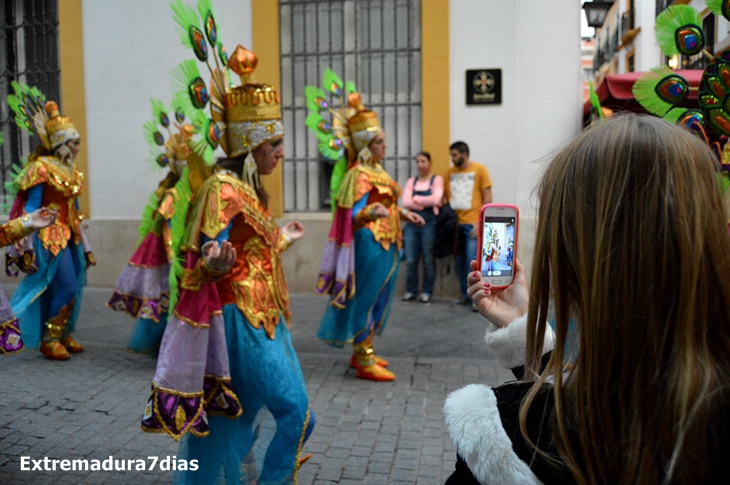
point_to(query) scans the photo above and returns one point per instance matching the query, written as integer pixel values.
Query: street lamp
(596, 12)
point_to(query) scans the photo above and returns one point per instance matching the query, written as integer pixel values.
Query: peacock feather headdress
(342, 125)
(243, 116)
(173, 138)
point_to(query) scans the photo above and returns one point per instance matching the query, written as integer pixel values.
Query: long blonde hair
(632, 243)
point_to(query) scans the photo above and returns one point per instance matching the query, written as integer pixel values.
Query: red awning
(615, 91)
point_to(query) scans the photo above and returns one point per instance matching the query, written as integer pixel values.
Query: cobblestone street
(374, 433)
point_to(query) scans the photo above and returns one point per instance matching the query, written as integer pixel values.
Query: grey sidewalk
(374, 433)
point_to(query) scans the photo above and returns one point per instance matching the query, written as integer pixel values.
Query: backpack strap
(430, 184)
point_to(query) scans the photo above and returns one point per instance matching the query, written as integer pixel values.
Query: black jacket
(484, 423)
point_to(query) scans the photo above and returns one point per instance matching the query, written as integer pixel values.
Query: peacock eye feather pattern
(660, 90)
(28, 106)
(679, 31)
(159, 112)
(332, 134)
(714, 87)
(332, 83)
(207, 15)
(685, 117)
(163, 160)
(719, 7)
(223, 55)
(188, 29)
(190, 90)
(154, 138)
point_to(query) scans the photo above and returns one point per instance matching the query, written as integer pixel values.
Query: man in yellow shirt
(467, 187)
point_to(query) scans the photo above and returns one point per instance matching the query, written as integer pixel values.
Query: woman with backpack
(422, 194)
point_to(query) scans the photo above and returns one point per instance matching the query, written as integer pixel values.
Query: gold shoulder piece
(34, 173)
(346, 196)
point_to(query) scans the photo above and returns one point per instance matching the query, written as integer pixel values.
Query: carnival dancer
(362, 248)
(143, 289)
(48, 300)
(227, 348)
(12, 232)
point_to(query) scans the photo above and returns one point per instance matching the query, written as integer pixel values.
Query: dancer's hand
(43, 217)
(294, 229)
(378, 210)
(219, 258)
(20, 246)
(499, 306)
(474, 232)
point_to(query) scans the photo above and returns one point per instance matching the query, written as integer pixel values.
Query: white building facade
(115, 56)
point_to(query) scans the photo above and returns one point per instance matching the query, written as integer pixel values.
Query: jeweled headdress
(244, 116)
(40, 117)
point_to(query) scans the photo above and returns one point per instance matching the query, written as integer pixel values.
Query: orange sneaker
(378, 360)
(305, 458)
(71, 345)
(375, 373)
(54, 351)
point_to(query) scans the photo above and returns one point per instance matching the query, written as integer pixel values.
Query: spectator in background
(467, 188)
(422, 194)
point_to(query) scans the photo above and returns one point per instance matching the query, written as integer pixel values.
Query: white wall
(130, 47)
(537, 46)
(647, 50)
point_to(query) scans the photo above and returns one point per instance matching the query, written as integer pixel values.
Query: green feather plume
(159, 113)
(186, 84)
(11, 188)
(207, 16)
(188, 29)
(319, 127)
(719, 7)
(673, 115)
(178, 224)
(595, 102)
(338, 173)
(2, 138)
(652, 91)
(148, 217)
(327, 151)
(25, 102)
(316, 100)
(178, 111)
(332, 83)
(202, 143)
(350, 87)
(154, 138)
(672, 19)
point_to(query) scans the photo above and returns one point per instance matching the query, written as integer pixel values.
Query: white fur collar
(476, 429)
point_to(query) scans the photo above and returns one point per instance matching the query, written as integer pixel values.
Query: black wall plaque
(484, 86)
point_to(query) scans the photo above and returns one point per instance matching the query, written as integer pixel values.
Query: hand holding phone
(501, 306)
(497, 244)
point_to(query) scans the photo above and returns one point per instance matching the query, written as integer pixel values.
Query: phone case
(478, 255)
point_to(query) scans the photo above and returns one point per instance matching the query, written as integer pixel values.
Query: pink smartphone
(497, 244)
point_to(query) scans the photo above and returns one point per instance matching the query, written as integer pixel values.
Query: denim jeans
(464, 258)
(419, 243)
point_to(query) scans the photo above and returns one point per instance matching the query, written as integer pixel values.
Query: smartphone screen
(498, 245)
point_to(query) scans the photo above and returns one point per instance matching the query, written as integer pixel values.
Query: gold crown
(56, 122)
(364, 119)
(250, 101)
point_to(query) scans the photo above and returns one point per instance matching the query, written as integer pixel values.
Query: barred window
(375, 43)
(29, 54)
